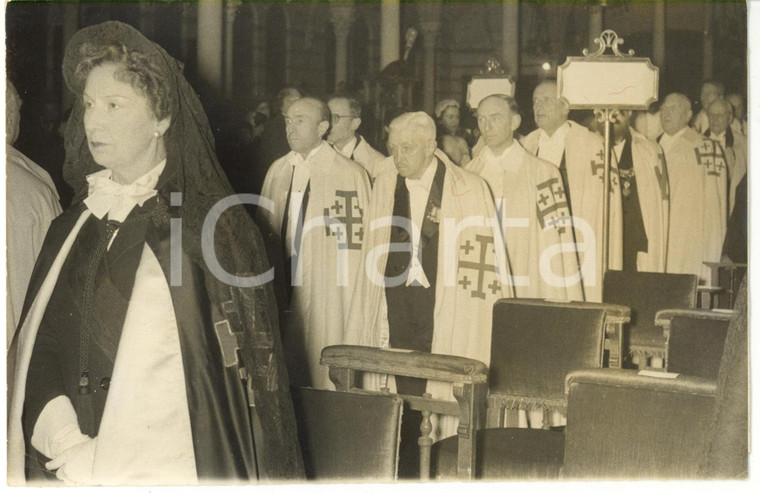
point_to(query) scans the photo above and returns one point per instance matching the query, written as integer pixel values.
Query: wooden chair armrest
(663, 382)
(440, 367)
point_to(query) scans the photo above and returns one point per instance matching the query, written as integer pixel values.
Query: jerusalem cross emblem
(345, 218)
(476, 259)
(551, 205)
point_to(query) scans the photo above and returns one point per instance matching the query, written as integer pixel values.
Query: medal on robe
(627, 176)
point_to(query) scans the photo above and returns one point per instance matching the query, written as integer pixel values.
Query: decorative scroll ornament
(608, 39)
(492, 67)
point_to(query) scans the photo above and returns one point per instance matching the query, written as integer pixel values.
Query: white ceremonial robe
(654, 200)
(471, 274)
(369, 158)
(736, 158)
(32, 204)
(697, 176)
(528, 190)
(584, 159)
(328, 265)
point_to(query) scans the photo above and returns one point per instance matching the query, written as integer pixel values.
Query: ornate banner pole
(607, 84)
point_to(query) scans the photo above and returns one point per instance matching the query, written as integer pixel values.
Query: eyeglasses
(336, 118)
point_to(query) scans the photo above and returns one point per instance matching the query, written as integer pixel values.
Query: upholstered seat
(533, 346)
(506, 453)
(695, 340)
(646, 293)
(348, 436)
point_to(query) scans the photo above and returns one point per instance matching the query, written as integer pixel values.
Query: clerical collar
(297, 159)
(426, 180)
(490, 156)
(348, 149)
(105, 196)
(552, 147)
(667, 141)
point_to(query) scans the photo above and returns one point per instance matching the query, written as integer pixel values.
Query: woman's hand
(75, 463)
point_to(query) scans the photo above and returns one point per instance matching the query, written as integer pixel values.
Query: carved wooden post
(425, 441)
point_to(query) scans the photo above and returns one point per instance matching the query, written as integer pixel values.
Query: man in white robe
(346, 113)
(739, 123)
(32, 204)
(733, 143)
(434, 258)
(711, 90)
(531, 203)
(644, 198)
(697, 175)
(319, 198)
(579, 155)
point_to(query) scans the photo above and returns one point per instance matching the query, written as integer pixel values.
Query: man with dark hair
(531, 203)
(698, 185)
(344, 134)
(316, 224)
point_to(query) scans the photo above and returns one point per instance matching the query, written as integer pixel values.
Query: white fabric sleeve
(57, 428)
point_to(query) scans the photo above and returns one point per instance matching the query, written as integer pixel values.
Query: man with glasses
(344, 134)
(315, 224)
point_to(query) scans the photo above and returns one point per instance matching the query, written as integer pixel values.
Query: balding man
(319, 199)
(31, 205)
(274, 143)
(711, 90)
(697, 177)
(344, 134)
(434, 257)
(532, 205)
(578, 153)
(734, 145)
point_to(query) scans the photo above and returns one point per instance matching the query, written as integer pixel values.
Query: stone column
(390, 32)
(186, 31)
(430, 26)
(341, 15)
(70, 27)
(658, 34)
(510, 43)
(707, 43)
(595, 21)
(210, 13)
(258, 52)
(230, 9)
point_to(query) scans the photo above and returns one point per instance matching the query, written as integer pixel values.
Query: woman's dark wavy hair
(141, 71)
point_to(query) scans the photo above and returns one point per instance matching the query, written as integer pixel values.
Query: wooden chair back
(646, 293)
(623, 425)
(348, 436)
(534, 345)
(468, 376)
(694, 340)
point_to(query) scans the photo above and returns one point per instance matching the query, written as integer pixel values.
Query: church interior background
(238, 53)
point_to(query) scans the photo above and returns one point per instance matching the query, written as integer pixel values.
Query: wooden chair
(723, 284)
(533, 346)
(623, 425)
(694, 340)
(348, 436)
(646, 293)
(468, 376)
